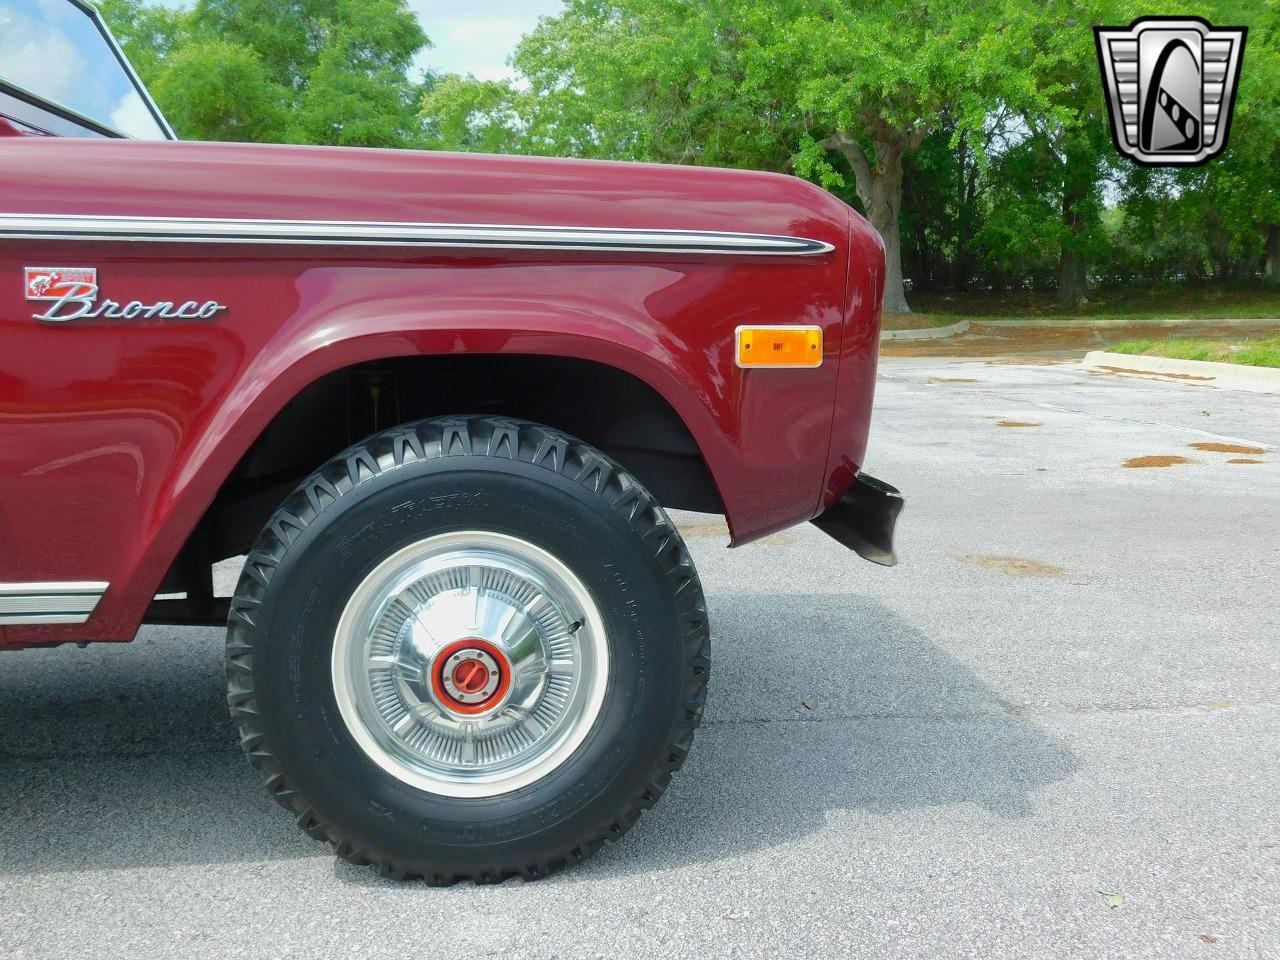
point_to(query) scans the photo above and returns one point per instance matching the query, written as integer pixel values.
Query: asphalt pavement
(1052, 731)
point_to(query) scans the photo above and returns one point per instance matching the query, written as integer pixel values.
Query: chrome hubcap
(470, 664)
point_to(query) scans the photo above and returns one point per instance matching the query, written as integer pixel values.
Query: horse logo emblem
(1171, 87)
(50, 283)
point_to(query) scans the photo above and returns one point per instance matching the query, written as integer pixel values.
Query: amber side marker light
(767, 346)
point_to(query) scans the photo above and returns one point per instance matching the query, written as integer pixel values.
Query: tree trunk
(961, 266)
(1073, 278)
(895, 290)
(880, 189)
(882, 211)
(884, 217)
(1273, 254)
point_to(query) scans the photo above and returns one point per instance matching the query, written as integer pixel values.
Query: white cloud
(475, 37)
(478, 40)
(131, 116)
(38, 57)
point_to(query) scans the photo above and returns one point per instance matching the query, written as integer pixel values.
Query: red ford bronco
(440, 402)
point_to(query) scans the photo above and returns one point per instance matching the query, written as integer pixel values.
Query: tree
(944, 190)
(1221, 219)
(872, 80)
(358, 91)
(745, 83)
(214, 90)
(485, 116)
(148, 33)
(1243, 186)
(973, 133)
(308, 71)
(660, 80)
(1047, 201)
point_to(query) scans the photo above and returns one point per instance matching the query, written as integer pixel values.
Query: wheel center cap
(470, 676)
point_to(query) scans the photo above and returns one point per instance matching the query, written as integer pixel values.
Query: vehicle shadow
(122, 757)
(832, 705)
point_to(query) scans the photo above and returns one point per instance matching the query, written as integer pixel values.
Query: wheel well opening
(606, 407)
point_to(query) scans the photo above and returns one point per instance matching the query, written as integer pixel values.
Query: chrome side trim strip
(23, 603)
(381, 234)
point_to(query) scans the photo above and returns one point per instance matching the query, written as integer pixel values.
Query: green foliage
(835, 90)
(1242, 188)
(973, 133)
(308, 71)
(943, 192)
(485, 116)
(877, 67)
(357, 92)
(1259, 353)
(148, 33)
(1211, 221)
(214, 90)
(1129, 301)
(661, 80)
(1253, 353)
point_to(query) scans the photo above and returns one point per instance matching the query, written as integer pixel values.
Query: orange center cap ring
(470, 676)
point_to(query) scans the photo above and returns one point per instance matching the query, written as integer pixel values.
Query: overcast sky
(479, 36)
(470, 37)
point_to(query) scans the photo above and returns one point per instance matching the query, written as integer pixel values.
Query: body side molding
(462, 236)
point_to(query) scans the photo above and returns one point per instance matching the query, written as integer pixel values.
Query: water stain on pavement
(1016, 423)
(1015, 566)
(1164, 460)
(1153, 373)
(1213, 447)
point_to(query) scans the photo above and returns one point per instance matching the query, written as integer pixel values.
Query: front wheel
(468, 648)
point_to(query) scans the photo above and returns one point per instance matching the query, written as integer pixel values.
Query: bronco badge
(74, 292)
(1171, 85)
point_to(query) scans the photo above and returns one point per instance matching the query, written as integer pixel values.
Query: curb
(1226, 376)
(1135, 322)
(929, 333)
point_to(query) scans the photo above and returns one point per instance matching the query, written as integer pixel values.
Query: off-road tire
(522, 477)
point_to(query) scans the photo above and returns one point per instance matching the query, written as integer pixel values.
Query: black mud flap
(863, 519)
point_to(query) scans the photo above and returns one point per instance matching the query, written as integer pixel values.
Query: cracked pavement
(1069, 687)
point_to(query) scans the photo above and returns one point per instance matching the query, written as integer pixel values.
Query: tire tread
(474, 436)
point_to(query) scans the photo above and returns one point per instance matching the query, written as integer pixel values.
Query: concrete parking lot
(1070, 687)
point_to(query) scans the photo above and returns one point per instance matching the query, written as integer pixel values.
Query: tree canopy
(972, 133)
(310, 71)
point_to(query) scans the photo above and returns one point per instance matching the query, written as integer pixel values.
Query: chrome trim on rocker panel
(24, 603)
(369, 233)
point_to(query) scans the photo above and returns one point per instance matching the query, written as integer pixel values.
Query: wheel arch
(606, 405)
(342, 333)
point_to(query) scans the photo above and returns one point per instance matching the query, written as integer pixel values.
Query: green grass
(1253, 353)
(1208, 302)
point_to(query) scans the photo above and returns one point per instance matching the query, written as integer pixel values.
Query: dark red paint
(9, 127)
(116, 434)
